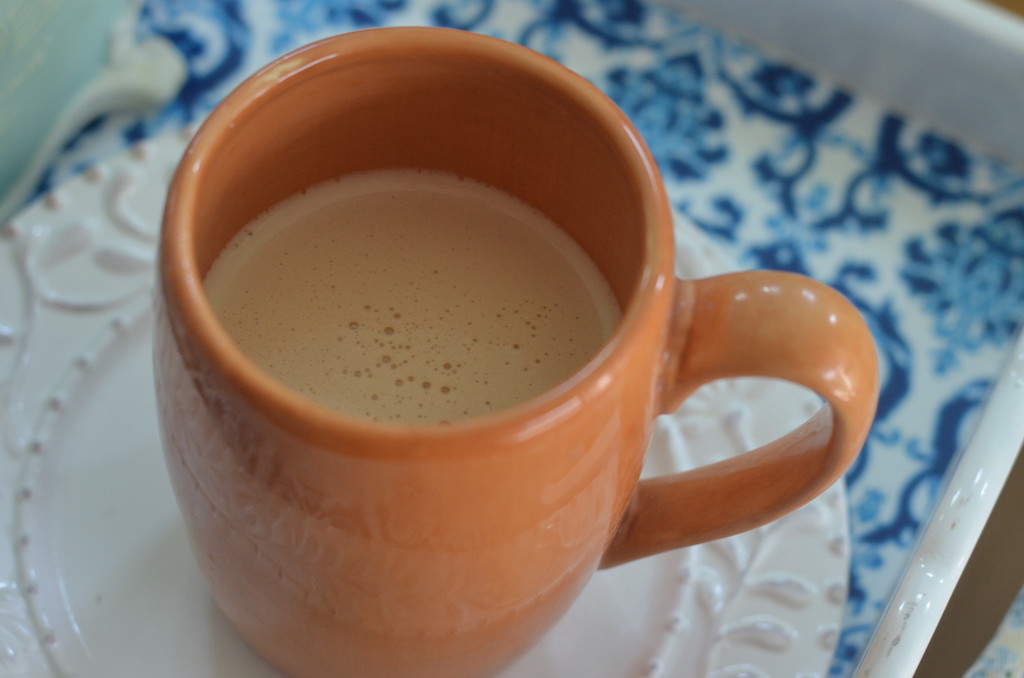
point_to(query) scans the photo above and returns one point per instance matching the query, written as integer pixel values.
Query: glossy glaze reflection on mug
(411, 296)
(341, 546)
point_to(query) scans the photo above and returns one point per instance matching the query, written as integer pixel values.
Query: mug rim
(181, 283)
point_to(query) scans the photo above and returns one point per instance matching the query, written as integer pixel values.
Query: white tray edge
(946, 543)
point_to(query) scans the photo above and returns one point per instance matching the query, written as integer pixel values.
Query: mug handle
(755, 324)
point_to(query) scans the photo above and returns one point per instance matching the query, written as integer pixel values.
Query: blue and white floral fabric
(780, 166)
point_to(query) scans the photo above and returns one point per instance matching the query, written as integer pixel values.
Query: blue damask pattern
(667, 105)
(781, 168)
(299, 19)
(789, 98)
(213, 58)
(613, 24)
(969, 277)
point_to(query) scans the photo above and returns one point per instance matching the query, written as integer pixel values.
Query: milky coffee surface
(411, 296)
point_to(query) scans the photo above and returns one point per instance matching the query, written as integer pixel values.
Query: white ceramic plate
(96, 577)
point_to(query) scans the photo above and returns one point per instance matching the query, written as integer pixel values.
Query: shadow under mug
(342, 547)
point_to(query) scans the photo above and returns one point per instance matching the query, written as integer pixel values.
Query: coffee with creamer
(411, 296)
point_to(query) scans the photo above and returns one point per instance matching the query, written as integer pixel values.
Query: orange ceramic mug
(342, 547)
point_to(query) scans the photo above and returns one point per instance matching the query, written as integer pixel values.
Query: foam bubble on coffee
(411, 296)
